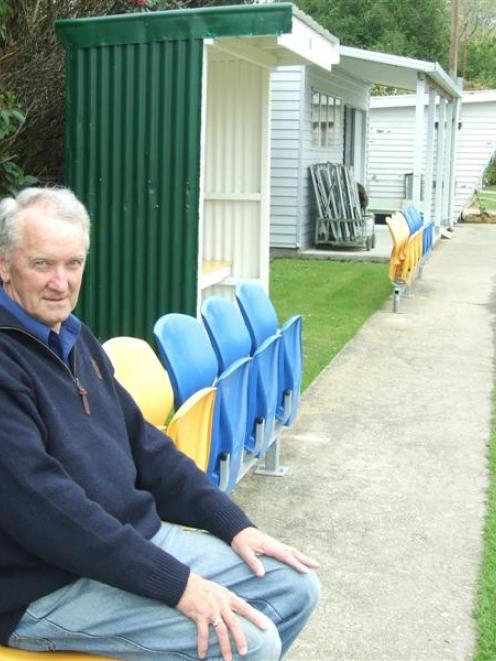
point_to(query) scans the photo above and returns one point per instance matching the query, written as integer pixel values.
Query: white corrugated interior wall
(235, 189)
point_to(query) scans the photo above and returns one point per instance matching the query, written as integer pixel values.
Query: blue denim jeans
(89, 616)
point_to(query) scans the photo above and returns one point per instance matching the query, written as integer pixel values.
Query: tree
(477, 33)
(415, 28)
(32, 64)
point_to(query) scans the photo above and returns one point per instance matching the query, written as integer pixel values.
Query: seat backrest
(186, 351)
(139, 370)
(227, 330)
(413, 218)
(234, 407)
(258, 312)
(400, 233)
(191, 426)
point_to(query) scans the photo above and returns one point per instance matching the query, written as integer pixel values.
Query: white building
(392, 146)
(320, 116)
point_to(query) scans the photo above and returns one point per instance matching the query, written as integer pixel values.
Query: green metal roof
(173, 25)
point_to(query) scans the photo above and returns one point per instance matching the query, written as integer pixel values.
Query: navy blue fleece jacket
(84, 485)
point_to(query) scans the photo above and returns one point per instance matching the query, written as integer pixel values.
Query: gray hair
(60, 204)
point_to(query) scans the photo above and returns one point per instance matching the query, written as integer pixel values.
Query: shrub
(12, 176)
(490, 172)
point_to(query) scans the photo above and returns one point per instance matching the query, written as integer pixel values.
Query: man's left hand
(251, 543)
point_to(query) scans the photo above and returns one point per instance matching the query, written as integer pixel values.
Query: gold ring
(217, 621)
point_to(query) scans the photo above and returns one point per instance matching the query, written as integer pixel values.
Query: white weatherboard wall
(285, 185)
(391, 153)
(392, 139)
(476, 143)
(292, 205)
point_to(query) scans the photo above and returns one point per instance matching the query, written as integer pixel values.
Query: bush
(12, 177)
(490, 172)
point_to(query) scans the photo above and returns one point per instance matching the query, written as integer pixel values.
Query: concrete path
(388, 469)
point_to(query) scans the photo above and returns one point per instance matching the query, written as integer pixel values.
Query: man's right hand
(209, 604)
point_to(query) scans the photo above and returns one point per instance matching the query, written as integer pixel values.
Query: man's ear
(4, 268)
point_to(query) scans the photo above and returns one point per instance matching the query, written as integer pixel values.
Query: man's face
(43, 274)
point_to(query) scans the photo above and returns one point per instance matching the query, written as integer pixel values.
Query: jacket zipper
(83, 393)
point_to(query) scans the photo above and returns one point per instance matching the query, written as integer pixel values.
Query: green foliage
(343, 296)
(485, 613)
(6, 13)
(490, 172)
(481, 61)
(12, 176)
(154, 5)
(415, 28)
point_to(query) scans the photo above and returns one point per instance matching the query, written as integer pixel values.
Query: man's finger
(222, 632)
(255, 616)
(236, 632)
(202, 630)
(253, 562)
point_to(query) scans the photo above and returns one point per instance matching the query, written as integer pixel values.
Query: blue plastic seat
(191, 363)
(231, 341)
(261, 320)
(415, 220)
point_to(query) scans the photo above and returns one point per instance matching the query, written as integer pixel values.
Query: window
(326, 112)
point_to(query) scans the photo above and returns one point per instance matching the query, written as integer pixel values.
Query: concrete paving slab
(388, 469)
(380, 252)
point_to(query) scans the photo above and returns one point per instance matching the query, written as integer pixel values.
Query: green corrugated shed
(134, 86)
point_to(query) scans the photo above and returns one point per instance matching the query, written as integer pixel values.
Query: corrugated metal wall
(133, 157)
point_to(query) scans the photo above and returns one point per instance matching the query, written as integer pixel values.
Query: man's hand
(209, 604)
(251, 543)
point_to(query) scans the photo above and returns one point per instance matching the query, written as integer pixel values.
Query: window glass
(325, 118)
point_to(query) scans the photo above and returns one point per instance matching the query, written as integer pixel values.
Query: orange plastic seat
(10, 654)
(140, 371)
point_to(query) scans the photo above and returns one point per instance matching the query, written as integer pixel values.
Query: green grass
(335, 299)
(485, 609)
(486, 198)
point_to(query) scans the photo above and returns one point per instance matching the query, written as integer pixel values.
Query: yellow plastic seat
(191, 426)
(10, 654)
(401, 253)
(140, 371)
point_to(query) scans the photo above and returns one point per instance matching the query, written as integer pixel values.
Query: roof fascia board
(177, 24)
(438, 77)
(312, 46)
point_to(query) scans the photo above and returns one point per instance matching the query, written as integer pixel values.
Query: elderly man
(93, 552)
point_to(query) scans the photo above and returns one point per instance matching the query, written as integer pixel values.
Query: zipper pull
(84, 396)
